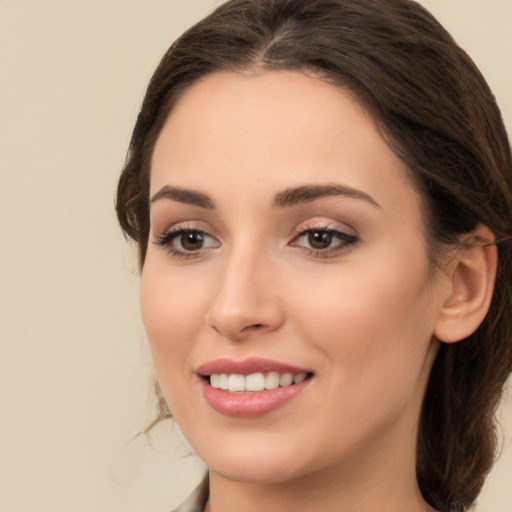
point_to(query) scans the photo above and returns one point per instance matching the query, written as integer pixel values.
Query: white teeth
(272, 380)
(236, 383)
(214, 380)
(223, 381)
(286, 379)
(299, 378)
(254, 382)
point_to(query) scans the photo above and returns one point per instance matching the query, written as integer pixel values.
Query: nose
(246, 302)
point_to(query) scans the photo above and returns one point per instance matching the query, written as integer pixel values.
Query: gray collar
(196, 501)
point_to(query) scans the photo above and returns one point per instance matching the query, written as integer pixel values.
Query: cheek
(374, 353)
(173, 314)
(173, 311)
(370, 319)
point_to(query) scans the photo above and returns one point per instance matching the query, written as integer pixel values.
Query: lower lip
(250, 404)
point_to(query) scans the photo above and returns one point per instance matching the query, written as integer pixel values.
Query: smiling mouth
(254, 382)
(252, 387)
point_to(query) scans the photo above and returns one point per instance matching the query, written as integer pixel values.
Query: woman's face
(286, 244)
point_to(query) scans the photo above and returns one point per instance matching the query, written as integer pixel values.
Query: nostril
(252, 327)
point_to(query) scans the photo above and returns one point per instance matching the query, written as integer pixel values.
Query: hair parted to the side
(437, 113)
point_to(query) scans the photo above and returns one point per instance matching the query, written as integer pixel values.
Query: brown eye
(187, 242)
(323, 243)
(192, 240)
(320, 239)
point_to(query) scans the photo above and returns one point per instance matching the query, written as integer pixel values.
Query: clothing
(197, 499)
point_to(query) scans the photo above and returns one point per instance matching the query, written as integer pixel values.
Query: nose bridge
(245, 301)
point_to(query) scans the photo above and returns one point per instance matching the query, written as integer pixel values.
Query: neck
(365, 486)
(236, 497)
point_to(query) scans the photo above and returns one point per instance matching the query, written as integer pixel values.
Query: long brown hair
(437, 113)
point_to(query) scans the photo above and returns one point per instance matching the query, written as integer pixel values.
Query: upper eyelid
(177, 230)
(327, 225)
(344, 234)
(314, 223)
(185, 225)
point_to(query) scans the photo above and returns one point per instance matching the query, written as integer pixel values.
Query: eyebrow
(286, 198)
(184, 195)
(310, 193)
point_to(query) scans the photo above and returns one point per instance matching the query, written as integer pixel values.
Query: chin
(261, 472)
(257, 461)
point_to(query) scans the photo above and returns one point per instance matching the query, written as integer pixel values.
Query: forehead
(275, 128)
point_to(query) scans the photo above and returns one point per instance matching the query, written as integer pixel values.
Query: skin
(361, 315)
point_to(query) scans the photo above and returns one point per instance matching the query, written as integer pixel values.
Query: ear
(472, 274)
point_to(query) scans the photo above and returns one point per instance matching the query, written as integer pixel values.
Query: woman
(321, 194)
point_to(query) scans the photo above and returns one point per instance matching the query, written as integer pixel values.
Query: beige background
(75, 373)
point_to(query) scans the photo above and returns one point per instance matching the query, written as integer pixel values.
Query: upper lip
(248, 366)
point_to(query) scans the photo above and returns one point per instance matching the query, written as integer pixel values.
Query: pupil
(192, 241)
(319, 239)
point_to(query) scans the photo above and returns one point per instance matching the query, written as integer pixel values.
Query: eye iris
(192, 241)
(319, 239)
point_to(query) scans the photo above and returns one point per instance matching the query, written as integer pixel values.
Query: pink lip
(248, 366)
(249, 404)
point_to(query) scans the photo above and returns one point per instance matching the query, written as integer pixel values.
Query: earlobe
(471, 287)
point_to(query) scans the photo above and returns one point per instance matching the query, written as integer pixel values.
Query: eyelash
(344, 241)
(166, 240)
